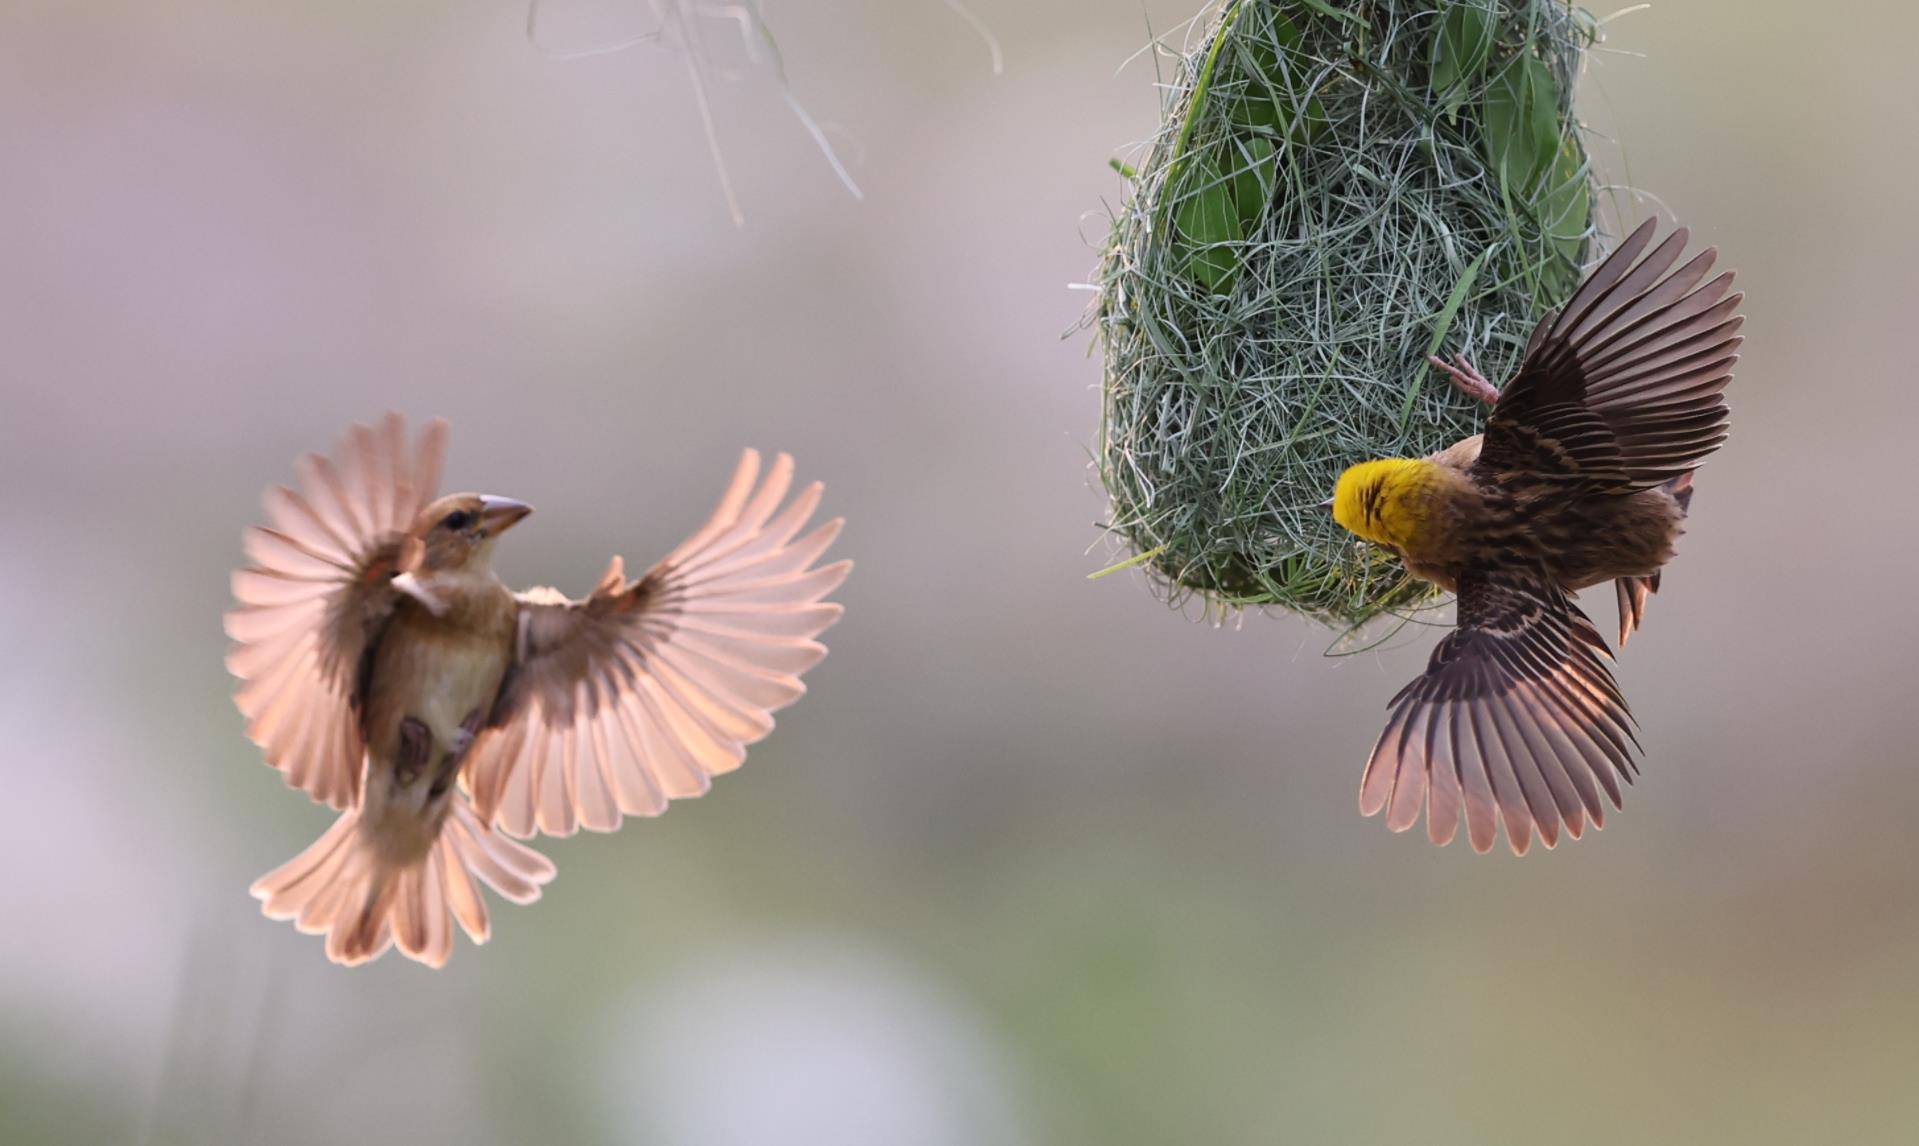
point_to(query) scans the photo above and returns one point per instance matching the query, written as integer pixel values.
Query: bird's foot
(463, 738)
(1467, 377)
(416, 744)
(468, 732)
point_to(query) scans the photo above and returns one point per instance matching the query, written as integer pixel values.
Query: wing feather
(1622, 390)
(645, 690)
(1516, 721)
(316, 594)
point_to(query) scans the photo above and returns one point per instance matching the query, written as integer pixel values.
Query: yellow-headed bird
(1583, 475)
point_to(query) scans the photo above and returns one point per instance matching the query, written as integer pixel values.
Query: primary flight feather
(1582, 476)
(389, 674)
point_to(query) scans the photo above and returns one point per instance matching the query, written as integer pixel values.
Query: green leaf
(1565, 212)
(1325, 8)
(1545, 112)
(1257, 113)
(1254, 181)
(1284, 32)
(1521, 113)
(1272, 114)
(1206, 224)
(1202, 91)
(1259, 49)
(1308, 124)
(1264, 102)
(1460, 49)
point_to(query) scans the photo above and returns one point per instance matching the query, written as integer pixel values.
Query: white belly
(454, 684)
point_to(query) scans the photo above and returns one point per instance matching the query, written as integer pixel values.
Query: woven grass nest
(1337, 189)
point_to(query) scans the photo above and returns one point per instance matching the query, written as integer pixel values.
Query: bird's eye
(457, 520)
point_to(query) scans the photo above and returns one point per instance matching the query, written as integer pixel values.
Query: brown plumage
(1583, 475)
(389, 674)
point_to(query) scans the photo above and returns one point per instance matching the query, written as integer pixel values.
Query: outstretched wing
(647, 689)
(317, 594)
(1623, 389)
(1517, 717)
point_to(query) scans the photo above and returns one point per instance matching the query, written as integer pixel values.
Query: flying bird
(389, 674)
(1582, 476)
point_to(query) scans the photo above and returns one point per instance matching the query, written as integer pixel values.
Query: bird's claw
(1467, 377)
(468, 731)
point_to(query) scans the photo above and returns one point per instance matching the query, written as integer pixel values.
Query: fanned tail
(1633, 591)
(341, 887)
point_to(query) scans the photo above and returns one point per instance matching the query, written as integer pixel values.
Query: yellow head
(1388, 501)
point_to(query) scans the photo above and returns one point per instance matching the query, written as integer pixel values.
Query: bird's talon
(1467, 377)
(468, 731)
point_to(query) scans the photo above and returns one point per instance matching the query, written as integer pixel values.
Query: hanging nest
(1339, 188)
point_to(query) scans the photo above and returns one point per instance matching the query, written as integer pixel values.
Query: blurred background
(1039, 860)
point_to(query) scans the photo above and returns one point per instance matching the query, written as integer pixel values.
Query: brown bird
(388, 672)
(1583, 476)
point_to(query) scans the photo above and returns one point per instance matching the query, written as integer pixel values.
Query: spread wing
(1623, 389)
(317, 594)
(1517, 717)
(647, 689)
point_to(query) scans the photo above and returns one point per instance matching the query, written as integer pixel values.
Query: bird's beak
(498, 514)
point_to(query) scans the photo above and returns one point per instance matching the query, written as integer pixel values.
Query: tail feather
(1681, 490)
(310, 875)
(468, 906)
(407, 915)
(342, 888)
(1633, 591)
(363, 930)
(498, 861)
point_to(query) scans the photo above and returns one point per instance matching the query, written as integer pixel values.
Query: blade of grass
(1442, 323)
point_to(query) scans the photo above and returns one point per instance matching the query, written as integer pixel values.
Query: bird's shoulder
(1455, 509)
(1459, 456)
(453, 606)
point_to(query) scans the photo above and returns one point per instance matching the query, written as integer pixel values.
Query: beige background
(1038, 860)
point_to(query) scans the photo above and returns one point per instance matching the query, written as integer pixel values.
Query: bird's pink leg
(1467, 377)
